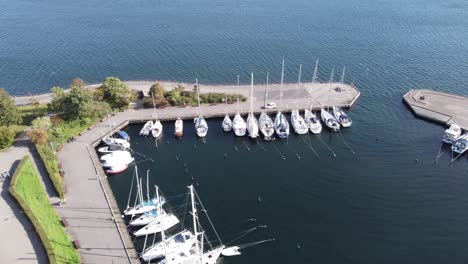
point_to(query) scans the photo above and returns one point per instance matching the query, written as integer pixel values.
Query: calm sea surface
(376, 206)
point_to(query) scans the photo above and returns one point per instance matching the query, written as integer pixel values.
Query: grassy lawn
(31, 112)
(30, 194)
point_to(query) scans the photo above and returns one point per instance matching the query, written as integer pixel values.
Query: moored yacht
(451, 134)
(180, 242)
(201, 126)
(116, 143)
(266, 126)
(461, 144)
(157, 129)
(227, 123)
(329, 120)
(281, 125)
(298, 123)
(162, 222)
(179, 128)
(342, 117)
(312, 121)
(146, 128)
(252, 123)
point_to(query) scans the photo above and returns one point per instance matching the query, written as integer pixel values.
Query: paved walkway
(18, 239)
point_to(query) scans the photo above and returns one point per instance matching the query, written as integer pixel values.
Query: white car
(270, 106)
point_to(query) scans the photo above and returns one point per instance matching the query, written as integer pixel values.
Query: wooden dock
(439, 107)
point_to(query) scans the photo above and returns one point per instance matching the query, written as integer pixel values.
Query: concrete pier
(440, 107)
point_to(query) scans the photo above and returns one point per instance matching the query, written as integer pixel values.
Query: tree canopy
(157, 90)
(115, 92)
(70, 105)
(9, 113)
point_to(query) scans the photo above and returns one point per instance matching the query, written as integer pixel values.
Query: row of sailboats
(186, 246)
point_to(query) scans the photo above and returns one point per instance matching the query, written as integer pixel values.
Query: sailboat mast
(251, 93)
(154, 105)
(342, 75)
(147, 185)
(159, 214)
(194, 217)
(238, 93)
(198, 95)
(266, 92)
(281, 86)
(300, 74)
(314, 80)
(329, 85)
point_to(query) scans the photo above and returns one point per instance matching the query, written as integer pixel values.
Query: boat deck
(440, 107)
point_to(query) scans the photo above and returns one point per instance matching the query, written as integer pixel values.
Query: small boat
(145, 218)
(298, 123)
(162, 222)
(180, 242)
(116, 142)
(157, 129)
(119, 154)
(117, 162)
(201, 126)
(122, 135)
(227, 123)
(266, 126)
(179, 128)
(107, 150)
(146, 128)
(117, 169)
(342, 117)
(451, 134)
(281, 125)
(329, 120)
(252, 122)
(312, 121)
(461, 144)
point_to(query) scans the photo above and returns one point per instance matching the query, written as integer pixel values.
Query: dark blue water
(377, 206)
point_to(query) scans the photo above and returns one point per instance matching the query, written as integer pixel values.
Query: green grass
(30, 194)
(31, 112)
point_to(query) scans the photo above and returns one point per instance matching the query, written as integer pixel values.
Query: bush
(42, 123)
(7, 137)
(51, 164)
(9, 114)
(115, 92)
(38, 136)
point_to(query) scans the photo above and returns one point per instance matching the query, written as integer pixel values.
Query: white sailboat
(329, 120)
(265, 122)
(180, 242)
(116, 160)
(201, 126)
(312, 121)
(146, 128)
(142, 206)
(238, 124)
(157, 128)
(227, 122)
(252, 123)
(162, 222)
(179, 128)
(298, 123)
(281, 123)
(116, 143)
(342, 117)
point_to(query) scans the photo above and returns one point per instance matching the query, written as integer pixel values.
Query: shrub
(9, 114)
(41, 123)
(7, 137)
(38, 136)
(115, 92)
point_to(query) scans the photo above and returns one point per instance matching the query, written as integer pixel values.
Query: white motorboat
(312, 121)
(266, 126)
(252, 122)
(460, 146)
(298, 123)
(180, 242)
(227, 123)
(146, 128)
(179, 128)
(194, 257)
(157, 129)
(117, 169)
(107, 150)
(113, 161)
(117, 143)
(163, 222)
(329, 120)
(119, 154)
(451, 134)
(342, 117)
(201, 126)
(281, 125)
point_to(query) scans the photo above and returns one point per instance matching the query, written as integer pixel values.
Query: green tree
(9, 114)
(7, 137)
(116, 93)
(157, 90)
(70, 105)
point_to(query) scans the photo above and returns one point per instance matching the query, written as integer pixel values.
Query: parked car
(270, 105)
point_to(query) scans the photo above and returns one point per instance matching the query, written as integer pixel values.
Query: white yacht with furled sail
(252, 122)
